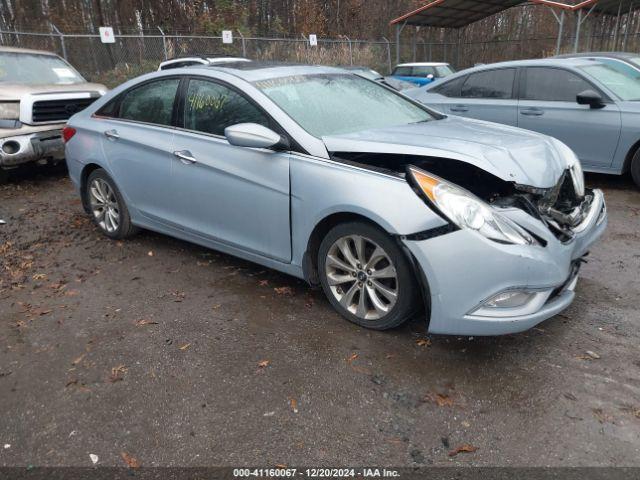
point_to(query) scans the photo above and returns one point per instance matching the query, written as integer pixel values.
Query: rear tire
(106, 206)
(366, 276)
(635, 169)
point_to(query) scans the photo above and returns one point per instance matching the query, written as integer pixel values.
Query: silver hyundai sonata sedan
(392, 208)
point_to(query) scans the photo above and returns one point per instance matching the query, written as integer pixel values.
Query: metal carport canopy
(610, 7)
(454, 13)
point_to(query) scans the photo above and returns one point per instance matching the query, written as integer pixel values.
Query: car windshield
(444, 70)
(332, 104)
(625, 86)
(35, 69)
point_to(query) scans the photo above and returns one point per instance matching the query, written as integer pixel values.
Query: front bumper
(31, 147)
(464, 269)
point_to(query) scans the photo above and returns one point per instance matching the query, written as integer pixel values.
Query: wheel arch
(626, 166)
(84, 176)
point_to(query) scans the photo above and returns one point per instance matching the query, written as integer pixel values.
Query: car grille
(58, 110)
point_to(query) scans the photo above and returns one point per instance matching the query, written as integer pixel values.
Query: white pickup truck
(39, 91)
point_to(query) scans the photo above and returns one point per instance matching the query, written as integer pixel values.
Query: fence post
(244, 47)
(62, 45)
(164, 44)
(388, 52)
(350, 50)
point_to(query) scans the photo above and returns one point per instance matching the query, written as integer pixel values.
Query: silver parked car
(341, 181)
(591, 106)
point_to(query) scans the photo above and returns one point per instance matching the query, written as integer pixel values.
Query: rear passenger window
(450, 88)
(490, 84)
(552, 85)
(151, 102)
(210, 108)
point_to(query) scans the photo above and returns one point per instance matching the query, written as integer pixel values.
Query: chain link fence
(135, 54)
(132, 55)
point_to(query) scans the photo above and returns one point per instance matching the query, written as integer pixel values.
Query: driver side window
(210, 107)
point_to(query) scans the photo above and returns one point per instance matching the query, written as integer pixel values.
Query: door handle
(459, 108)
(112, 134)
(185, 157)
(532, 112)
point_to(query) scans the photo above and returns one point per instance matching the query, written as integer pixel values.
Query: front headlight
(9, 110)
(466, 210)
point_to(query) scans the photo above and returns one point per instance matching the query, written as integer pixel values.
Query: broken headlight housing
(9, 110)
(464, 209)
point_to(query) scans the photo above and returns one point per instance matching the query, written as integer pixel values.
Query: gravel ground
(162, 353)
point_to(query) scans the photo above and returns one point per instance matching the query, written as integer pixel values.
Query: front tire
(366, 276)
(106, 206)
(635, 169)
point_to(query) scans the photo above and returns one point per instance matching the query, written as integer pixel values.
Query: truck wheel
(635, 168)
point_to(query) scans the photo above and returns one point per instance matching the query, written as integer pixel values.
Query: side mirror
(430, 76)
(252, 135)
(591, 98)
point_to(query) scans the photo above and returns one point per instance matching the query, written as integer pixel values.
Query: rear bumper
(31, 147)
(464, 269)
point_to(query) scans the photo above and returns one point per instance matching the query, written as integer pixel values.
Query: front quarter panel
(320, 188)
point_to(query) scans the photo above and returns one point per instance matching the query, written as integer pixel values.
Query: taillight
(67, 133)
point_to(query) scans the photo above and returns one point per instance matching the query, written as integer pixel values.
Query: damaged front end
(562, 208)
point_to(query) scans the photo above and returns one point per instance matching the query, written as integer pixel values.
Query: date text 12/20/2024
(316, 473)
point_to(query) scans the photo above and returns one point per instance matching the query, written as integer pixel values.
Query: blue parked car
(591, 106)
(391, 208)
(422, 73)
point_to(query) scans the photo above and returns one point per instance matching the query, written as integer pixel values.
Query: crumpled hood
(14, 91)
(510, 153)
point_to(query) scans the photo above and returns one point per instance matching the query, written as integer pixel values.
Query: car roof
(422, 64)
(542, 62)
(257, 71)
(599, 54)
(26, 50)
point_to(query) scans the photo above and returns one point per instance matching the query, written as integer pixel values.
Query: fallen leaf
(423, 342)
(284, 291)
(150, 253)
(588, 355)
(39, 276)
(78, 360)
(145, 321)
(185, 346)
(602, 417)
(280, 465)
(116, 373)
(263, 283)
(293, 403)
(94, 458)
(263, 363)
(132, 462)
(466, 448)
(440, 399)
(352, 357)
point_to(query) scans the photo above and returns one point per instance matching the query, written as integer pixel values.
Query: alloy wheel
(104, 205)
(361, 277)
